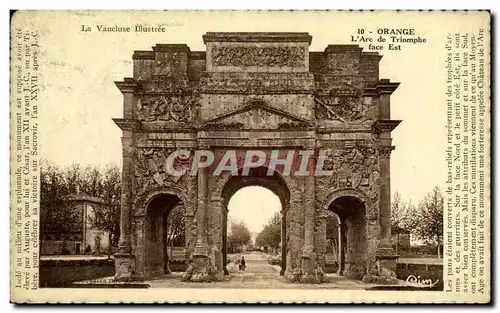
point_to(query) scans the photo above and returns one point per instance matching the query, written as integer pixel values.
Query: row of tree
(238, 237)
(270, 235)
(424, 220)
(57, 186)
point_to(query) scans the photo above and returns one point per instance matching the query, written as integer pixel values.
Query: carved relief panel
(167, 108)
(354, 167)
(151, 171)
(258, 56)
(349, 109)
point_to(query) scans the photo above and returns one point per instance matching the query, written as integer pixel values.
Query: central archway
(257, 177)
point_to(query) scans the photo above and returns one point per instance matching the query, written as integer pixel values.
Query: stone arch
(150, 227)
(352, 208)
(275, 183)
(222, 185)
(143, 199)
(371, 210)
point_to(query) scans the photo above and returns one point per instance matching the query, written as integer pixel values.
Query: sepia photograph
(309, 156)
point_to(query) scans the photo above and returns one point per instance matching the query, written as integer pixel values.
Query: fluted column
(283, 242)
(201, 266)
(386, 255)
(310, 209)
(201, 248)
(126, 198)
(125, 260)
(309, 264)
(385, 196)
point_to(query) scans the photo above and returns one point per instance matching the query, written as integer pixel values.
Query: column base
(354, 271)
(311, 272)
(125, 268)
(384, 270)
(202, 270)
(387, 259)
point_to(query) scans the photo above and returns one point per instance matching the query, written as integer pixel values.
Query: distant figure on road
(242, 264)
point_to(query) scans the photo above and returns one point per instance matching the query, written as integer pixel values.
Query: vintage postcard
(250, 156)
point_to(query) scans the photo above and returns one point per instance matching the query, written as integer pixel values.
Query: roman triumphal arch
(266, 93)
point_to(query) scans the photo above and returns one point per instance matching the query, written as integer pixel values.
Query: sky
(79, 98)
(254, 205)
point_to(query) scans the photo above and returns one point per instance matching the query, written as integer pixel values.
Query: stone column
(342, 246)
(200, 254)
(385, 196)
(224, 239)
(125, 260)
(215, 225)
(283, 242)
(386, 255)
(309, 262)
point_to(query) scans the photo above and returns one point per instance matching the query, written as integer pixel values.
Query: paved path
(258, 274)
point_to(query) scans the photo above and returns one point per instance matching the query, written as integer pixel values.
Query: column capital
(385, 151)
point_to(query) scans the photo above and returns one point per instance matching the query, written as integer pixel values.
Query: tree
(271, 233)
(57, 216)
(430, 217)
(56, 209)
(398, 211)
(106, 186)
(239, 235)
(176, 235)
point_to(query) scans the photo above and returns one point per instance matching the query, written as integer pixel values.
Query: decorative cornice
(386, 86)
(171, 48)
(128, 124)
(128, 85)
(338, 48)
(143, 55)
(371, 56)
(383, 86)
(256, 37)
(385, 126)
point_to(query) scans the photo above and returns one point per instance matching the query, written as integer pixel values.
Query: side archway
(150, 227)
(351, 207)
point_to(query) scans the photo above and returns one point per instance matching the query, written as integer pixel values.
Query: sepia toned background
(79, 97)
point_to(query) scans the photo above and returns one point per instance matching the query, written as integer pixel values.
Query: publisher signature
(416, 281)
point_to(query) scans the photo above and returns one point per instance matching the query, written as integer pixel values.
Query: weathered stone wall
(63, 273)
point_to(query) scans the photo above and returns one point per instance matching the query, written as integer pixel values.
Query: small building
(84, 239)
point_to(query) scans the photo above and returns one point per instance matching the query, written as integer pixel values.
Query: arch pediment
(257, 114)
